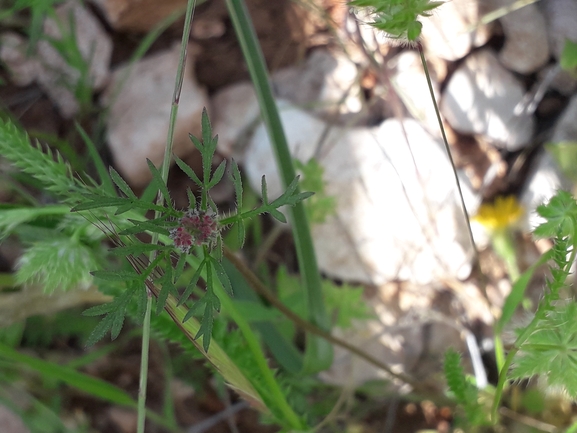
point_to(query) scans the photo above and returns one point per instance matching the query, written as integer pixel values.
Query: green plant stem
(164, 174)
(263, 291)
(318, 353)
(142, 385)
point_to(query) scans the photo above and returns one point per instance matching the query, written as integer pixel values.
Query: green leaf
(98, 310)
(48, 168)
(241, 233)
(121, 184)
(465, 392)
(237, 182)
(138, 248)
(188, 171)
(568, 60)
(10, 218)
(167, 288)
(179, 268)
(455, 376)
(60, 264)
(114, 319)
(141, 300)
(123, 209)
(551, 351)
(263, 190)
(207, 132)
(115, 275)
(192, 283)
(152, 226)
(256, 311)
(94, 201)
(517, 293)
(88, 384)
(560, 213)
(345, 303)
(217, 176)
(212, 304)
(97, 160)
(320, 205)
(278, 215)
(222, 276)
(159, 182)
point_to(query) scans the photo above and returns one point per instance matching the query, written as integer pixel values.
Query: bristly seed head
(197, 227)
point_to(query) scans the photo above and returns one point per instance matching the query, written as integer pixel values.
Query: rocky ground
(361, 107)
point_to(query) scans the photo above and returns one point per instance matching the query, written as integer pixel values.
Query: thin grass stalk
(164, 174)
(449, 154)
(318, 354)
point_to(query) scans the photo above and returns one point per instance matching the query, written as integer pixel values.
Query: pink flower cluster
(195, 228)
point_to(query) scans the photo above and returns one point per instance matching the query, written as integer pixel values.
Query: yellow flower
(503, 213)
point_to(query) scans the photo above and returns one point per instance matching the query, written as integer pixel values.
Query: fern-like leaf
(60, 264)
(50, 169)
(465, 392)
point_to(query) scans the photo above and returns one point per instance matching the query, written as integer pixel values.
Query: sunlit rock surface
(397, 211)
(140, 98)
(480, 98)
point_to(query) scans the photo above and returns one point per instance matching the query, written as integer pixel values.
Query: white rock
(526, 46)
(140, 98)
(561, 16)
(59, 75)
(543, 181)
(545, 177)
(451, 32)
(397, 212)
(411, 84)
(234, 110)
(327, 83)
(481, 97)
(23, 70)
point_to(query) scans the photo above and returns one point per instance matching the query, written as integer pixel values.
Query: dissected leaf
(159, 182)
(58, 264)
(121, 184)
(188, 171)
(560, 213)
(222, 276)
(192, 283)
(217, 176)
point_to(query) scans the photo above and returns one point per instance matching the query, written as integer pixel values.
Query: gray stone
(327, 83)
(411, 85)
(140, 100)
(453, 30)
(397, 213)
(235, 111)
(481, 97)
(543, 181)
(526, 46)
(561, 17)
(56, 75)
